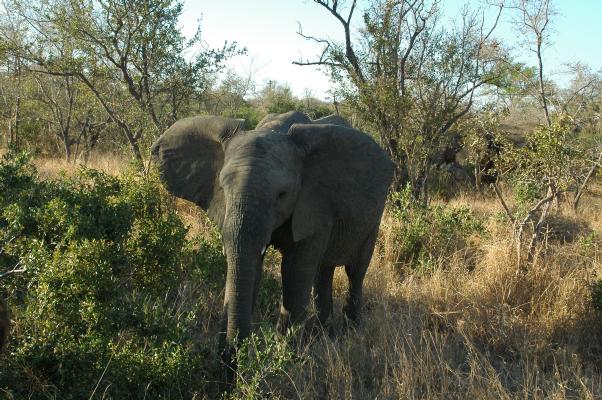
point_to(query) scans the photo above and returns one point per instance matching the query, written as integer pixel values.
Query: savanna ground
(447, 316)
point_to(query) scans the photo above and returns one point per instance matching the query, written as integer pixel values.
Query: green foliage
(426, 234)
(208, 254)
(482, 140)
(125, 60)
(548, 153)
(278, 98)
(588, 241)
(410, 77)
(550, 160)
(314, 108)
(251, 115)
(104, 258)
(263, 360)
(525, 192)
(515, 78)
(270, 293)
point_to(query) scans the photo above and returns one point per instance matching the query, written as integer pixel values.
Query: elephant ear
(190, 156)
(345, 173)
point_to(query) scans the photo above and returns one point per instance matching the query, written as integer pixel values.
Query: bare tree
(135, 46)
(13, 32)
(408, 77)
(533, 19)
(59, 95)
(581, 100)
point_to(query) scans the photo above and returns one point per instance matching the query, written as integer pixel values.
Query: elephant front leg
(355, 274)
(323, 293)
(299, 268)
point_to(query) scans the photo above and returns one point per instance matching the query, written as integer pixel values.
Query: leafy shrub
(250, 114)
(94, 311)
(424, 234)
(551, 159)
(588, 242)
(263, 360)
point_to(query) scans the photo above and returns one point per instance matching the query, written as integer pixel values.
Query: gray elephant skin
(315, 190)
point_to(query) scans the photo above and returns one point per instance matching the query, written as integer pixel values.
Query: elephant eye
(281, 194)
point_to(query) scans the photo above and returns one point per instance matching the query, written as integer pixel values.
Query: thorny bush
(98, 309)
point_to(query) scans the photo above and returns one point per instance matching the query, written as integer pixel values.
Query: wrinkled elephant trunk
(244, 237)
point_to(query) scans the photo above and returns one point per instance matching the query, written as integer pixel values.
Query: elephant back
(334, 120)
(282, 122)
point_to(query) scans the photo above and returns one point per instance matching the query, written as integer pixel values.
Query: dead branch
(332, 7)
(14, 270)
(590, 174)
(503, 202)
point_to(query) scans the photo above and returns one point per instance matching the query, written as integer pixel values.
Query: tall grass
(467, 327)
(472, 328)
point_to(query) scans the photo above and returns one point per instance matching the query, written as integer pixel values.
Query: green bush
(263, 361)
(551, 161)
(426, 234)
(97, 310)
(250, 114)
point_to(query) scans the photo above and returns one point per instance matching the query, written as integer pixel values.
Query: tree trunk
(67, 150)
(15, 140)
(17, 120)
(9, 139)
(135, 148)
(540, 224)
(131, 138)
(542, 92)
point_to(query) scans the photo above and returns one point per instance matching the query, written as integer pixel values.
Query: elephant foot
(284, 322)
(352, 314)
(304, 332)
(289, 319)
(319, 327)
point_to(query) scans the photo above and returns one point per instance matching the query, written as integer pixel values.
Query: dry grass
(469, 334)
(52, 167)
(477, 332)
(471, 329)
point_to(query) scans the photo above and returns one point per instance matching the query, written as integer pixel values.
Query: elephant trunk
(245, 237)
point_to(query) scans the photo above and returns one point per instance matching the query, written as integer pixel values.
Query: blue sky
(267, 28)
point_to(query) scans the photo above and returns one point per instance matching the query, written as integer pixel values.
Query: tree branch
(503, 202)
(14, 270)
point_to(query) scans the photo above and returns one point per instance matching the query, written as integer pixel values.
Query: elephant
(315, 190)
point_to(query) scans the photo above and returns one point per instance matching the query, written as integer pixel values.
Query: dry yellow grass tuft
(112, 164)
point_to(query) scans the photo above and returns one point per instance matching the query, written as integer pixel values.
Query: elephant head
(253, 182)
